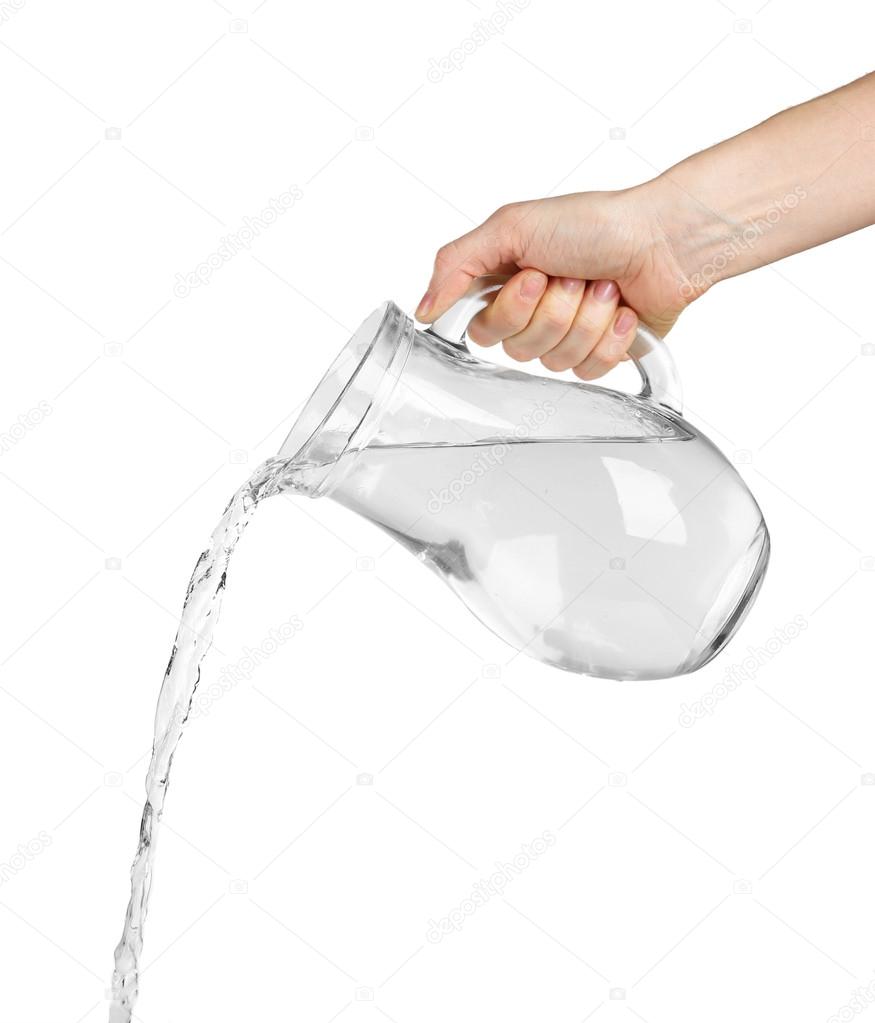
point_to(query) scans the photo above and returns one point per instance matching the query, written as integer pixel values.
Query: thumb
(485, 250)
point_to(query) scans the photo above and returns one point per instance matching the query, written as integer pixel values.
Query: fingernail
(425, 304)
(572, 284)
(533, 285)
(624, 322)
(604, 291)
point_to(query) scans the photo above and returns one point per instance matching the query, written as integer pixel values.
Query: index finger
(485, 250)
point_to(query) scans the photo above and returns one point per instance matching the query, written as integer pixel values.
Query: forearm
(803, 177)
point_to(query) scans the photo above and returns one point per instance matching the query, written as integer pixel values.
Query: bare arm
(801, 178)
(586, 266)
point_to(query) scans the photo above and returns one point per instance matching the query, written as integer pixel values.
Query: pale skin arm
(585, 267)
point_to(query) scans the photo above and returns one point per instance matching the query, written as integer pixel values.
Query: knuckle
(585, 330)
(508, 330)
(604, 357)
(506, 211)
(509, 318)
(477, 334)
(554, 320)
(517, 352)
(446, 255)
(556, 362)
(483, 332)
(589, 371)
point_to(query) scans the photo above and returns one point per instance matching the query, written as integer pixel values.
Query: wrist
(694, 238)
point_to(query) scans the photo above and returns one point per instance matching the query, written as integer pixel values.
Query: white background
(286, 889)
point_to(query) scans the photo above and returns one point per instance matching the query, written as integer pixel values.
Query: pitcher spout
(342, 413)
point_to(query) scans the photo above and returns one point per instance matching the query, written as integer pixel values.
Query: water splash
(200, 612)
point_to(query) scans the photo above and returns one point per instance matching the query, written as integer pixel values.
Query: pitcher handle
(659, 375)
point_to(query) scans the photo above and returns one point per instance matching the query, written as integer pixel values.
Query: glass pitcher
(594, 530)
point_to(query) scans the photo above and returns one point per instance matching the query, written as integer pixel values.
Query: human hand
(584, 267)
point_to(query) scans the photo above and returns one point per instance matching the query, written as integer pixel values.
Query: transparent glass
(594, 530)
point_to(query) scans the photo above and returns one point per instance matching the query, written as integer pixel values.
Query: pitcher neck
(344, 411)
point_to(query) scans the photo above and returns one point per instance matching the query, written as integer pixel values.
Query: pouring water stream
(200, 612)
